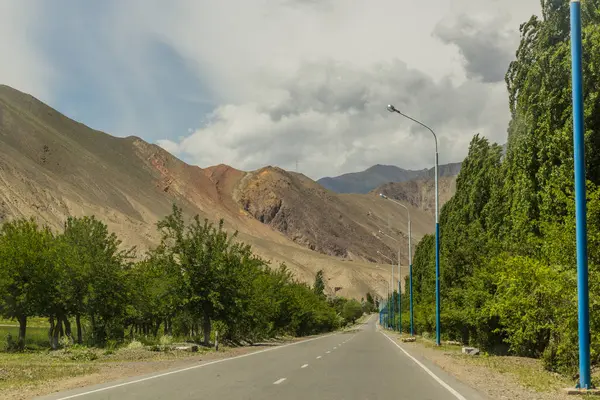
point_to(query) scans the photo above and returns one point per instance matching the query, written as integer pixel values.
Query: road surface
(364, 365)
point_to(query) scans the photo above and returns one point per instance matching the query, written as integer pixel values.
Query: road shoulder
(104, 371)
(495, 377)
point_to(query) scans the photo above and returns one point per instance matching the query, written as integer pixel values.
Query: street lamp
(391, 298)
(399, 279)
(383, 196)
(583, 303)
(391, 108)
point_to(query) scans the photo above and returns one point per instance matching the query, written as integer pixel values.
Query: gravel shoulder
(498, 377)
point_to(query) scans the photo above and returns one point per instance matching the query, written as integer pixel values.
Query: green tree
(319, 286)
(28, 269)
(370, 303)
(209, 261)
(95, 279)
(352, 311)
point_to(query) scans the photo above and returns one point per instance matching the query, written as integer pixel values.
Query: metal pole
(388, 309)
(409, 259)
(391, 108)
(392, 293)
(437, 252)
(410, 278)
(399, 296)
(580, 199)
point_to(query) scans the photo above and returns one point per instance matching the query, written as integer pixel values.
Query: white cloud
(310, 79)
(22, 66)
(332, 117)
(168, 145)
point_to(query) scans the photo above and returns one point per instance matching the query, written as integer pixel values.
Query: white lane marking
(335, 347)
(304, 366)
(318, 357)
(278, 381)
(434, 376)
(189, 368)
(327, 352)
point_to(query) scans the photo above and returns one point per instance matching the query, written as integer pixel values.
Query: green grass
(529, 372)
(33, 322)
(35, 338)
(27, 369)
(32, 368)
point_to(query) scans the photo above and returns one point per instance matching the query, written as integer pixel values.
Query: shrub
(134, 344)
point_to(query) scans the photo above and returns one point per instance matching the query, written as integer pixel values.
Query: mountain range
(377, 175)
(52, 167)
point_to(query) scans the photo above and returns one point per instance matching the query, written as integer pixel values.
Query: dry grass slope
(52, 167)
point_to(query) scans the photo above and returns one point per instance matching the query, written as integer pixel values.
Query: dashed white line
(327, 352)
(335, 347)
(304, 366)
(278, 381)
(319, 357)
(190, 368)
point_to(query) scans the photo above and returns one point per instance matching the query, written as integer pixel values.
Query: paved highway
(362, 365)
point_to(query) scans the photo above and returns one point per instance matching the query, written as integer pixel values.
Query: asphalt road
(362, 365)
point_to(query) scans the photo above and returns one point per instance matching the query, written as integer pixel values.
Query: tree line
(198, 279)
(508, 260)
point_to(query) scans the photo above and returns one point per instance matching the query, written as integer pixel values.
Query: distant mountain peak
(380, 174)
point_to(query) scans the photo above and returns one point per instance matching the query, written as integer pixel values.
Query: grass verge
(527, 372)
(28, 369)
(31, 369)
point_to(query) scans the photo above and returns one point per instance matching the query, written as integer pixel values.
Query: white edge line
(319, 357)
(192, 367)
(304, 366)
(278, 381)
(434, 376)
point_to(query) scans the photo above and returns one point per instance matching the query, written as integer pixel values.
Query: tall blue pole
(399, 295)
(412, 332)
(391, 108)
(390, 309)
(580, 199)
(392, 302)
(399, 304)
(437, 253)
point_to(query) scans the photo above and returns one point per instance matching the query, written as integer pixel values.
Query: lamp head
(391, 108)
(383, 196)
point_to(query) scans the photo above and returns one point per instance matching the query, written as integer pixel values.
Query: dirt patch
(500, 378)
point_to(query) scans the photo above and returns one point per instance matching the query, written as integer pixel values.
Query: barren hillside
(52, 167)
(308, 214)
(420, 193)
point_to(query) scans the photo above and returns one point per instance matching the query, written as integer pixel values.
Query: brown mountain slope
(52, 167)
(340, 225)
(420, 193)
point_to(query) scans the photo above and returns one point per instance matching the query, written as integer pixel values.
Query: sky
(251, 83)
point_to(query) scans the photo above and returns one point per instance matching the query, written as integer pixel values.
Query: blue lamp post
(409, 263)
(391, 108)
(580, 200)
